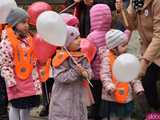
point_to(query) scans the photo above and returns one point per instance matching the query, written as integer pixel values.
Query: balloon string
(76, 63)
(67, 8)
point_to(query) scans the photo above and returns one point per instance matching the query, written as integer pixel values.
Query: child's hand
(82, 71)
(80, 68)
(86, 75)
(111, 89)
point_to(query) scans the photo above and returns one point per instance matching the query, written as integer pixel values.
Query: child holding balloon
(117, 97)
(19, 66)
(67, 93)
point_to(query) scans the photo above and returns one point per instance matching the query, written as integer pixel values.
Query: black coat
(3, 93)
(3, 100)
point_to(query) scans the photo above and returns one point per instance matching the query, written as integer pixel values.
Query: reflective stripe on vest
(122, 89)
(62, 55)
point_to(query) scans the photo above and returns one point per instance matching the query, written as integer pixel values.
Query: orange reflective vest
(23, 57)
(122, 89)
(62, 55)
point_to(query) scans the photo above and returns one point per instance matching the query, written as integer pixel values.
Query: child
(100, 17)
(117, 97)
(67, 93)
(19, 66)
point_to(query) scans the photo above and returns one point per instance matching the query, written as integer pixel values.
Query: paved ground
(39, 118)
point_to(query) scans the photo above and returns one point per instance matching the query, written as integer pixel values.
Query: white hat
(114, 38)
(72, 34)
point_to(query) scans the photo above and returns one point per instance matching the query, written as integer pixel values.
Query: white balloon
(52, 28)
(126, 67)
(5, 7)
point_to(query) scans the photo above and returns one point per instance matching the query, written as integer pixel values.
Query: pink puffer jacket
(100, 17)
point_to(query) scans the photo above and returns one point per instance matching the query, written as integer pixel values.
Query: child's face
(122, 48)
(75, 45)
(23, 26)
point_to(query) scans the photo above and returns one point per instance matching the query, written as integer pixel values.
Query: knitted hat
(72, 34)
(16, 16)
(70, 19)
(115, 38)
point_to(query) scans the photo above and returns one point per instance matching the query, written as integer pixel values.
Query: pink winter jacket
(106, 78)
(100, 17)
(16, 88)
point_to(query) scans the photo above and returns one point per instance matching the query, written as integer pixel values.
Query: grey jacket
(67, 93)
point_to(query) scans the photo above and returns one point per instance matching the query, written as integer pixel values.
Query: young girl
(19, 66)
(117, 97)
(67, 93)
(101, 19)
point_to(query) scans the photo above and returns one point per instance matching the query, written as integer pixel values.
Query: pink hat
(70, 19)
(100, 17)
(72, 34)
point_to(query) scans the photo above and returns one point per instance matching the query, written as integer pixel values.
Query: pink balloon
(88, 48)
(42, 50)
(36, 9)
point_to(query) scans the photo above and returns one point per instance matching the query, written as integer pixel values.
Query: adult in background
(82, 12)
(144, 16)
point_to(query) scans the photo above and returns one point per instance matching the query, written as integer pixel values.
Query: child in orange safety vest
(117, 97)
(19, 66)
(67, 98)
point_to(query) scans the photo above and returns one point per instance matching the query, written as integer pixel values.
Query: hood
(100, 17)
